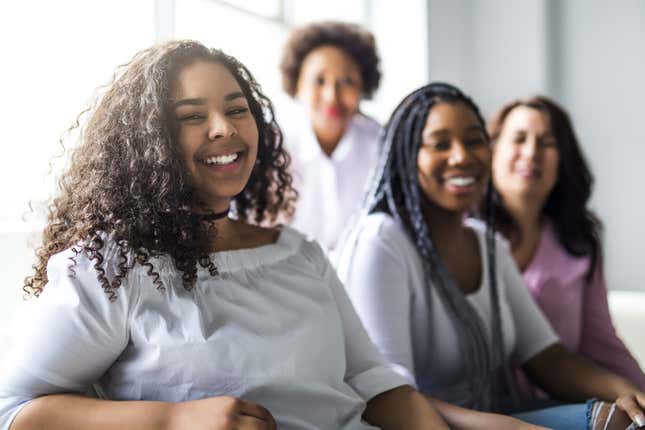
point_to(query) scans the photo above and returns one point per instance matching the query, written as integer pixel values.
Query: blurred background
(587, 54)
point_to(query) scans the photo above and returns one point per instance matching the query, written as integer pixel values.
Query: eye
(548, 142)
(320, 81)
(439, 145)
(237, 111)
(191, 117)
(475, 141)
(519, 138)
(347, 81)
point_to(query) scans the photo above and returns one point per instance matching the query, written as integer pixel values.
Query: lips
(222, 161)
(528, 172)
(333, 111)
(462, 183)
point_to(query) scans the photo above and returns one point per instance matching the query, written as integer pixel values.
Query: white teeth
(461, 181)
(222, 159)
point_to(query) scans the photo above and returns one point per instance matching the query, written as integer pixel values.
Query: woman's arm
(599, 340)
(74, 412)
(462, 418)
(572, 377)
(405, 408)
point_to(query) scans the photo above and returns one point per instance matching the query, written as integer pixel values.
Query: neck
(329, 135)
(222, 234)
(328, 141)
(446, 227)
(527, 214)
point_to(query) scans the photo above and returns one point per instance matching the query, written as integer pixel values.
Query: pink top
(578, 311)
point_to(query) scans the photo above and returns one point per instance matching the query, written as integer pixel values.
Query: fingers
(640, 419)
(254, 410)
(633, 405)
(247, 422)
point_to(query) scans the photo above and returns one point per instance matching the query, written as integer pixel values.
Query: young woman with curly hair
(542, 188)
(163, 281)
(329, 68)
(441, 295)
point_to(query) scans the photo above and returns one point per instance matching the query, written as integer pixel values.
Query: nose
(530, 149)
(459, 154)
(220, 127)
(330, 92)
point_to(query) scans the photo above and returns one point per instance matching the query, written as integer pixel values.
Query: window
(56, 54)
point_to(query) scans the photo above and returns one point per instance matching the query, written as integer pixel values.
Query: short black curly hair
(355, 40)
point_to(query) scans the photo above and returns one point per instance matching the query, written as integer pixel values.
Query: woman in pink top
(543, 185)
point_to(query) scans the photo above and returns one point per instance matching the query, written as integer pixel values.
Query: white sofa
(628, 312)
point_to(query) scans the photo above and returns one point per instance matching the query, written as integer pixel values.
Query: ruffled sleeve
(71, 336)
(367, 371)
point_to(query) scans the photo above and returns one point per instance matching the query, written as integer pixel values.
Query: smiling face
(330, 86)
(454, 158)
(526, 156)
(216, 132)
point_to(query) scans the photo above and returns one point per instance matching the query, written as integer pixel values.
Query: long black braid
(395, 190)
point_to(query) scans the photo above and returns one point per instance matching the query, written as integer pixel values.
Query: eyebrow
(446, 131)
(183, 102)
(201, 101)
(233, 96)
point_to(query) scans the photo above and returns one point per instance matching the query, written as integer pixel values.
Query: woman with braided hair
(163, 280)
(441, 295)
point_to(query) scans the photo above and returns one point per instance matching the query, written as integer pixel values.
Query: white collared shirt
(330, 187)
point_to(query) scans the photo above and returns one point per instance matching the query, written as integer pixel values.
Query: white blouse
(275, 327)
(384, 276)
(330, 188)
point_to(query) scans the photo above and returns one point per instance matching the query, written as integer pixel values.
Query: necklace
(213, 216)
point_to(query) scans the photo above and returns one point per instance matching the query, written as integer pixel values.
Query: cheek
(551, 163)
(184, 141)
(502, 160)
(308, 95)
(252, 137)
(425, 166)
(351, 100)
(484, 156)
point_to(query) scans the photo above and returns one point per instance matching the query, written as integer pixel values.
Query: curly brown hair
(127, 180)
(356, 41)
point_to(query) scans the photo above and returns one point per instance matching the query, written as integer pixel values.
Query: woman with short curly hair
(163, 281)
(329, 68)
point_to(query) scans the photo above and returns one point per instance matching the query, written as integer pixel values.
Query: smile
(461, 181)
(221, 160)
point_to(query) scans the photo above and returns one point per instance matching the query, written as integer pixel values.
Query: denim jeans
(562, 417)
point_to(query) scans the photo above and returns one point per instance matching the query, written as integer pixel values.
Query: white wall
(402, 41)
(589, 55)
(602, 75)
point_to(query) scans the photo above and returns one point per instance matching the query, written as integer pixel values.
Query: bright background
(588, 54)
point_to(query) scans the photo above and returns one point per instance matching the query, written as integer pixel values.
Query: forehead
(526, 118)
(328, 57)
(201, 79)
(451, 117)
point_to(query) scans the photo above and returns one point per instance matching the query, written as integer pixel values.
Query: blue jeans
(563, 417)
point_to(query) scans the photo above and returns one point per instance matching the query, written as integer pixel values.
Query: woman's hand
(634, 405)
(220, 413)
